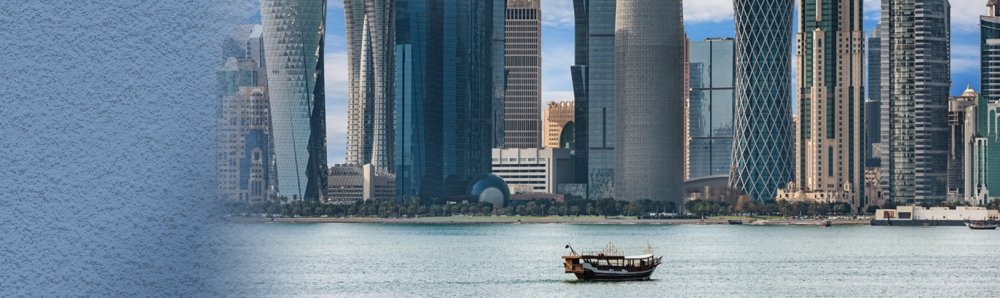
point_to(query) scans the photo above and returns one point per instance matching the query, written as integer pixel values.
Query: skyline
(702, 19)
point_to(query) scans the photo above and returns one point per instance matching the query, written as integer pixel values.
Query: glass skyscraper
(370, 121)
(916, 82)
(293, 47)
(710, 108)
(449, 83)
(523, 51)
(594, 92)
(873, 111)
(649, 100)
(762, 136)
(989, 106)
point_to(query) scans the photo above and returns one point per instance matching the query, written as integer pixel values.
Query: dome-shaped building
(489, 188)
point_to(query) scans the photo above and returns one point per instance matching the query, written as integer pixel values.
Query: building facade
(350, 183)
(533, 170)
(449, 82)
(523, 58)
(294, 33)
(873, 110)
(961, 137)
(370, 33)
(829, 59)
(649, 100)
(916, 82)
(989, 108)
(762, 138)
(559, 125)
(594, 92)
(709, 145)
(245, 161)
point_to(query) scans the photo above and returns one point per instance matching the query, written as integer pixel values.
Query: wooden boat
(982, 224)
(611, 265)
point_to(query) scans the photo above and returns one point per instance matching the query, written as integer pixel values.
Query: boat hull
(590, 275)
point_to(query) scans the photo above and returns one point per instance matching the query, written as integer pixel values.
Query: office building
(829, 59)
(533, 170)
(873, 110)
(649, 100)
(559, 125)
(762, 138)
(350, 183)
(370, 73)
(245, 171)
(594, 92)
(712, 66)
(961, 134)
(449, 82)
(523, 58)
(916, 82)
(989, 107)
(293, 47)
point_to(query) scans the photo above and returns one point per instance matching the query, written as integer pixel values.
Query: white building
(347, 184)
(914, 213)
(533, 170)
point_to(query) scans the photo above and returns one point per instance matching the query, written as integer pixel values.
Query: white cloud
(872, 9)
(965, 14)
(557, 13)
(708, 11)
(964, 59)
(335, 73)
(557, 82)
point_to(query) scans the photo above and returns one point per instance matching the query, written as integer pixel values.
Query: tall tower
(293, 47)
(370, 100)
(523, 59)
(649, 100)
(873, 112)
(449, 70)
(830, 87)
(989, 104)
(762, 138)
(917, 79)
(594, 92)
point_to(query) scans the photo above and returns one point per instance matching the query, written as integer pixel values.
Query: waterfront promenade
(582, 220)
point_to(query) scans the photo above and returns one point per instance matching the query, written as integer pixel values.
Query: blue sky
(703, 18)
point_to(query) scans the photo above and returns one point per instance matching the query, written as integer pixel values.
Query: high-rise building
(244, 163)
(594, 92)
(370, 73)
(559, 125)
(293, 47)
(649, 100)
(961, 138)
(873, 108)
(916, 82)
(712, 66)
(522, 126)
(449, 81)
(762, 138)
(989, 107)
(830, 155)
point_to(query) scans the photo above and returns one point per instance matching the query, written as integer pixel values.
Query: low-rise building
(915, 215)
(533, 170)
(347, 184)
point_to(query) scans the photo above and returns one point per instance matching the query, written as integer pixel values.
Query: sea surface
(381, 260)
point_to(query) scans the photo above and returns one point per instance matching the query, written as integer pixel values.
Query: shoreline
(458, 220)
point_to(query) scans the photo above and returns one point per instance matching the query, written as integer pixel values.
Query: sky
(702, 19)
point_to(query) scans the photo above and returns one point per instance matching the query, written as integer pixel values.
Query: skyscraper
(649, 100)
(961, 136)
(370, 120)
(916, 48)
(710, 108)
(449, 79)
(293, 47)
(830, 134)
(873, 110)
(523, 51)
(762, 137)
(989, 106)
(244, 163)
(594, 92)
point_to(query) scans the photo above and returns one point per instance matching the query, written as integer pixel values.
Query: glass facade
(649, 100)
(762, 136)
(594, 91)
(989, 107)
(370, 99)
(917, 78)
(523, 59)
(294, 33)
(872, 111)
(710, 108)
(449, 70)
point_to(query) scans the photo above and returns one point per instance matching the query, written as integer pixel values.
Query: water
(375, 260)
